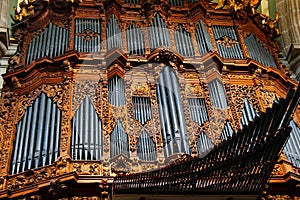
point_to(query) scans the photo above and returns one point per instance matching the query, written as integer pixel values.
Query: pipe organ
(107, 88)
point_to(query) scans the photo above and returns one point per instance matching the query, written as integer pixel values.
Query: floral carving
(87, 168)
(88, 34)
(227, 42)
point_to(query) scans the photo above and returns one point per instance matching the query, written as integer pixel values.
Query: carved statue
(238, 4)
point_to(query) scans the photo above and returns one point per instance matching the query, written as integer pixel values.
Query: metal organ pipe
(182, 125)
(167, 121)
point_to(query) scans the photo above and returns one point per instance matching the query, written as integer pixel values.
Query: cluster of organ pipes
(119, 141)
(84, 43)
(217, 93)
(86, 141)
(38, 136)
(141, 109)
(203, 39)
(87, 39)
(52, 42)
(116, 91)
(159, 33)
(291, 148)
(172, 119)
(197, 110)
(113, 33)
(232, 51)
(135, 40)
(146, 149)
(226, 169)
(183, 42)
(227, 131)
(248, 113)
(258, 52)
(204, 145)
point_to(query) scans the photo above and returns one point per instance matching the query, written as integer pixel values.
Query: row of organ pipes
(158, 33)
(41, 125)
(197, 110)
(141, 109)
(57, 40)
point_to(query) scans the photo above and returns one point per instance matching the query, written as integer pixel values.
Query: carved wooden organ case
(101, 87)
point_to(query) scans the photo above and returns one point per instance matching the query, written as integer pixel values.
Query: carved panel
(237, 94)
(87, 168)
(37, 176)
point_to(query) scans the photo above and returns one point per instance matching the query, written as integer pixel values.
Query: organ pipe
(86, 133)
(34, 134)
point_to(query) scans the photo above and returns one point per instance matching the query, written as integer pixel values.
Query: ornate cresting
(137, 85)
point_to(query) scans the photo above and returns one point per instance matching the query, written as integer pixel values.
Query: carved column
(289, 22)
